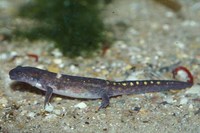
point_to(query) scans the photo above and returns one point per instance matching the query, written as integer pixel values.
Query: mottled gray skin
(89, 88)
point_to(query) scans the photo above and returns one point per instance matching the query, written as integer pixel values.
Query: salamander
(89, 88)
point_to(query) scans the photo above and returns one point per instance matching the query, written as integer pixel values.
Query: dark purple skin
(89, 88)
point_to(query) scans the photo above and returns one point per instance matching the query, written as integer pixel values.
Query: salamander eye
(19, 73)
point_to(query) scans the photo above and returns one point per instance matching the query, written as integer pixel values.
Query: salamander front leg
(48, 95)
(105, 101)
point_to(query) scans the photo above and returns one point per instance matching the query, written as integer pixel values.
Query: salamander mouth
(12, 77)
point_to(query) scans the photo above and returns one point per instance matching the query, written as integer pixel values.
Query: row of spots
(125, 85)
(135, 83)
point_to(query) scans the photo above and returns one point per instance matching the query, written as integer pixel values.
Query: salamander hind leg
(105, 101)
(48, 95)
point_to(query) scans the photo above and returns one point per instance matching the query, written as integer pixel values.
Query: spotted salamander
(89, 88)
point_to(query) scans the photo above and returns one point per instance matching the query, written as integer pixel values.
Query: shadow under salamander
(22, 87)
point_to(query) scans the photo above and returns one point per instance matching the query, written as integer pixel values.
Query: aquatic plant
(74, 25)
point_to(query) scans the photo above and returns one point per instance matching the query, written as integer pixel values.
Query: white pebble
(191, 106)
(31, 115)
(49, 108)
(74, 69)
(56, 53)
(184, 100)
(195, 89)
(40, 66)
(179, 44)
(57, 61)
(166, 27)
(58, 99)
(57, 112)
(35, 102)
(50, 116)
(3, 56)
(13, 53)
(81, 105)
(169, 99)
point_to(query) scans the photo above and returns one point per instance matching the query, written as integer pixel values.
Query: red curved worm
(33, 56)
(175, 71)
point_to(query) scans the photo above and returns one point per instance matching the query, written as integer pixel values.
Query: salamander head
(25, 74)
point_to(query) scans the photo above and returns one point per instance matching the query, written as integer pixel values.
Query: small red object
(33, 56)
(175, 71)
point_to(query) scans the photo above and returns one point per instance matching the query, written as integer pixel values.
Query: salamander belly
(76, 93)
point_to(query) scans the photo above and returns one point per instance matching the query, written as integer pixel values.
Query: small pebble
(81, 105)
(128, 67)
(40, 66)
(49, 108)
(23, 112)
(50, 116)
(18, 61)
(53, 68)
(57, 112)
(169, 99)
(13, 53)
(184, 100)
(31, 115)
(189, 23)
(74, 69)
(195, 89)
(58, 99)
(179, 44)
(166, 27)
(56, 52)
(35, 102)
(4, 102)
(57, 61)
(191, 107)
(3, 56)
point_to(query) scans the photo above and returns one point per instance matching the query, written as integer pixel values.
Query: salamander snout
(15, 73)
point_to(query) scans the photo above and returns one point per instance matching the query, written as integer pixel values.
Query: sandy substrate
(148, 37)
